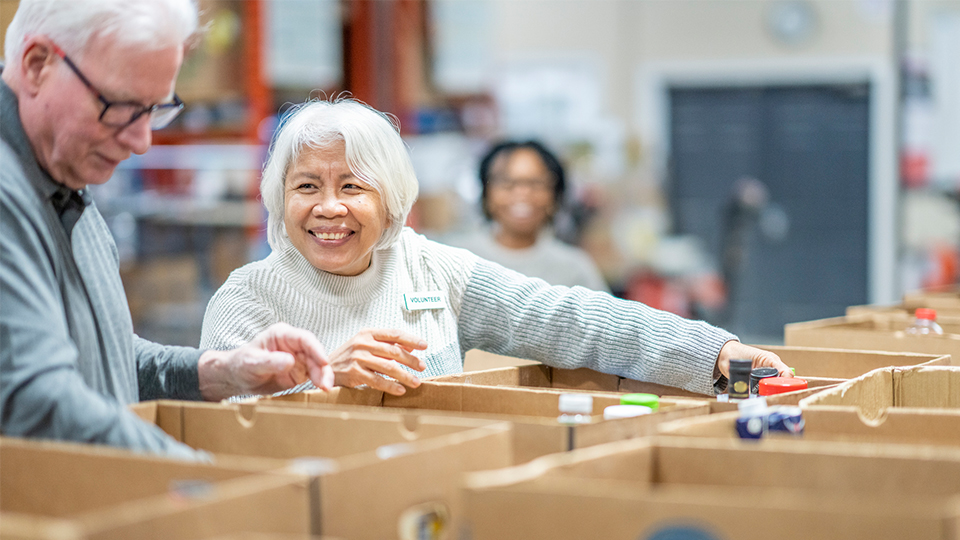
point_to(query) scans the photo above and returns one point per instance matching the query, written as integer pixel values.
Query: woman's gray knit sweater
(485, 306)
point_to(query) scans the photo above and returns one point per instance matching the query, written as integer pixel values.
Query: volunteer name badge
(424, 300)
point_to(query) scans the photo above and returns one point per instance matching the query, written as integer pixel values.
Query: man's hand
(279, 358)
(375, 352)
(733, 349)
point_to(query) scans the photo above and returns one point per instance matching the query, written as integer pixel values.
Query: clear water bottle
(925, 323)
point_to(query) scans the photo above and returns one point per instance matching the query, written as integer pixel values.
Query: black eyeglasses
(120, 114)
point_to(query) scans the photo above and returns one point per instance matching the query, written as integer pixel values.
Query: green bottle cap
(647, 400)
(793, 371)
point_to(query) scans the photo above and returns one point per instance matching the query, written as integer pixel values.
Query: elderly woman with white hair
(338, 186)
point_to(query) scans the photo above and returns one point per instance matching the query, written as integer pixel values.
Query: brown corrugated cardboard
(868, 333)
(370, 467)
(828, 423)
(477, 360)
(819, 366)
(60, 490)
(943, 298)
(532, 411)
(922, 387)
(901, 313)
(725, 489)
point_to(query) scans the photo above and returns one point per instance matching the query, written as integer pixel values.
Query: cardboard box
(531, 411)
(942, 298)
(868, 333)
(874, 394)
(819, 366)
(724, 489)
(60, 490)
(370, 469)
(901, 313)
(477, 360)
(827, 423)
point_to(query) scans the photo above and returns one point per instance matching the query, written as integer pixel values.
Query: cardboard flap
(929, 387)
(62, 479)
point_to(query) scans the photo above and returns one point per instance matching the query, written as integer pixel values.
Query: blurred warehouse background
(748, 162)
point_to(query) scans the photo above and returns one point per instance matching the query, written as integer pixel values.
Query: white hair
(374, 151)
(146, 24)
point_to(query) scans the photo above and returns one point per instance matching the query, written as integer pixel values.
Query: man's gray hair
(146, 24)
(375, 153)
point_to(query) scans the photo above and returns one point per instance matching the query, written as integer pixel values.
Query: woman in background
(523, 187)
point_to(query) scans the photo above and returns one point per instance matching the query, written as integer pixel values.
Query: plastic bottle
(575, 409)
(925, 323)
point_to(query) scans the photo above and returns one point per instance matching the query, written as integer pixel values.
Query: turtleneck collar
(335, 289)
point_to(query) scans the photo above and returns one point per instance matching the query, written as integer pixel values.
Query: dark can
(760, 373)
(739, 387)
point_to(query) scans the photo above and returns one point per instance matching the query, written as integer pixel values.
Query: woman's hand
(733, 349)
(375, 352)
(278, 358)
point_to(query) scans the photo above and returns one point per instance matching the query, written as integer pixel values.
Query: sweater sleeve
(504, 312)
(234, 316)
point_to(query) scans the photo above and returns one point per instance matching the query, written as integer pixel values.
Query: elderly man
(85, 82)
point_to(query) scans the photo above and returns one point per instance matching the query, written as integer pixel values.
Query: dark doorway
(801, 253)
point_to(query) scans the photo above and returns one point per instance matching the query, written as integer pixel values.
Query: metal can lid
(780, 385)
(647, 400)
(764, 372)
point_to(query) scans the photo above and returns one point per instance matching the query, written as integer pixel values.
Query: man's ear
(36, 64)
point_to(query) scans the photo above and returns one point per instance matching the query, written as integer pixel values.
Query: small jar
(760, 373)
(781, 385)
(752, 422)
(739, 385)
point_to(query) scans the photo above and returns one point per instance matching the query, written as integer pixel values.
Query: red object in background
(659, 293)
(167, 181)
(944, 267)
(914, 168)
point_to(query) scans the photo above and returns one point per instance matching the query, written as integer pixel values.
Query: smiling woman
(332, 217)
(338, 186)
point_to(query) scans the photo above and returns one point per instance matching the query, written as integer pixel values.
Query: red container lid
(926, 313)
(780, 385)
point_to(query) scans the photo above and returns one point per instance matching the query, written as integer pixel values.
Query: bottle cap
(793, 371)
(780, 385)
(741, 364)
(926, 313)
(625, 411)
(576, 403)
(647, 400)
(752, 406)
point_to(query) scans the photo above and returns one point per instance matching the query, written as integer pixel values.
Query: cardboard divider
(826, 423)
(533, 412)
(819, 366)
(869, 333)
(61, 490)
(382, 462)
(873, 394)
(715, 488)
